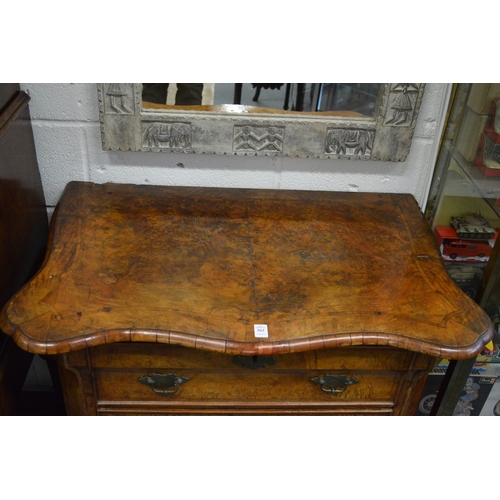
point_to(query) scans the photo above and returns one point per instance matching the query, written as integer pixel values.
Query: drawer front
(143, 379)
(159, 356)
(211, 391)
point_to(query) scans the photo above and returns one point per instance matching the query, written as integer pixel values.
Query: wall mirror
(320, 120)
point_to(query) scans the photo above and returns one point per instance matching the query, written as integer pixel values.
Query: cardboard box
(470, 133)
(487, 158)
(493, 122)
(481, 95)
(491, 406)
(477, 389)
(489, 355)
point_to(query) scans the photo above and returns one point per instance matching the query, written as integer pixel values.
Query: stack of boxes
(487, 157)
(476, 115)
(489, 359)
(481, 394)
(478, 143)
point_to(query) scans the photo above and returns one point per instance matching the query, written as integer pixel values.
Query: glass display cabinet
(464, 213)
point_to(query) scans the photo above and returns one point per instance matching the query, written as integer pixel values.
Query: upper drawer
(161, 356)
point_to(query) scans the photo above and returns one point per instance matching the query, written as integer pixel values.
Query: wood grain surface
(199, 267)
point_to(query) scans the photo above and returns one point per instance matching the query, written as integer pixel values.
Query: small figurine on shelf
(487, 158)
(474, 227)
(469, 238)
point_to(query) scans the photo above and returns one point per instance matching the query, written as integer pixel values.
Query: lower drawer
(207, 391)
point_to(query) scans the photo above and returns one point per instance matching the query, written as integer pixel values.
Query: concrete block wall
(67, 134)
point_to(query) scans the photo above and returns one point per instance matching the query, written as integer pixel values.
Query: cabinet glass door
(464, 213)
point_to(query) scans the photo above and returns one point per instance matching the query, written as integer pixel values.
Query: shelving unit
(460, 189)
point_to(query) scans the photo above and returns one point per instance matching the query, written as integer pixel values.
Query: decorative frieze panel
(257, 139)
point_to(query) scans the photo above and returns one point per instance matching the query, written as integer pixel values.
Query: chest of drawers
(142, 379)
(168, 300)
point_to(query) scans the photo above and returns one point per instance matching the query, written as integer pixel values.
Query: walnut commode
(179, 300)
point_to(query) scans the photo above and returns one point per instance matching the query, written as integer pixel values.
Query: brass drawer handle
(334, 383)
(163, 384)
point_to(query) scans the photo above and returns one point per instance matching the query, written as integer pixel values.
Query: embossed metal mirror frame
(127, 126)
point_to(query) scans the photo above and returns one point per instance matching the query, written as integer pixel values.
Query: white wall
(68, 143)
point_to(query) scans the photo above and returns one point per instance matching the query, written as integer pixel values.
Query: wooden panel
(23, 215)
(277, 388)
(23, 227)
(116, 408)
(154, 356)
(8, 91)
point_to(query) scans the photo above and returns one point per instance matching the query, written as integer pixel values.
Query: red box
(493, 122)
(455, 249)
(487, 158)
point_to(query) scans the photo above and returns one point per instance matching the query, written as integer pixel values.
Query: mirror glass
(354, 99)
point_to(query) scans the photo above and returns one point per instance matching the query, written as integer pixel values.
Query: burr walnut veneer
(158, 300)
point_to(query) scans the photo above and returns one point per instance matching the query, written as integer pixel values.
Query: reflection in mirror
(359, 98)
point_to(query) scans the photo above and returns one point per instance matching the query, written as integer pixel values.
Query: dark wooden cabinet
(23, 228)
(169, 300)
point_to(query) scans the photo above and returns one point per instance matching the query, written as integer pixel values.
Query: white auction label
(260, 331)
